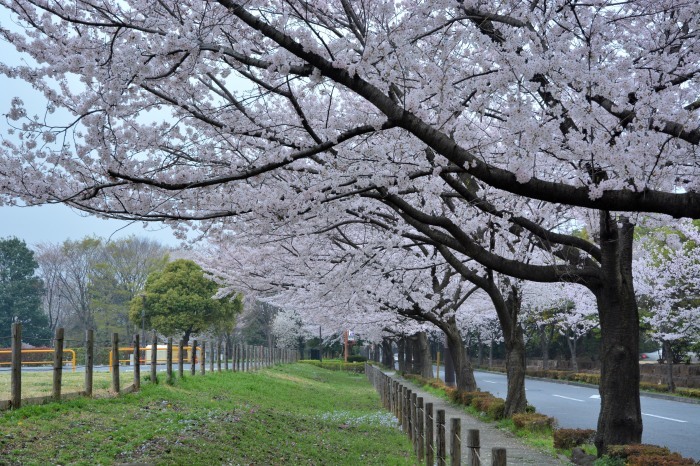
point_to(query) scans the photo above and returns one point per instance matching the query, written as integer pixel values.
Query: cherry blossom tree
(577, 318)
(210, 110)
(482, 321)
(356, 269)
(667, 272)
(568, 309)
(289, 330)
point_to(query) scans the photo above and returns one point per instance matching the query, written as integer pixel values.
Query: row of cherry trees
(379, 162)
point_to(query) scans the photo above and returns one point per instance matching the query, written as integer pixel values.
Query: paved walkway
(490, 436)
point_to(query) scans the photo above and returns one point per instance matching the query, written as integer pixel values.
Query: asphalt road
(673, 424)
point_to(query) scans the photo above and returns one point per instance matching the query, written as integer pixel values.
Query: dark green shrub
(647, 455)
(355, 367)
(481, 400)
(640, 449)
(691, 392)
(496, 409)
(468, 397)
(672, 459)
(653, 387)
(533, 422)
(453, 394)
(565, 439)
(356, 358)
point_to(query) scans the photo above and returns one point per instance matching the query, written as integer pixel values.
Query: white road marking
(568, 398)
(490, 381)
(661, 417)
(597, 397)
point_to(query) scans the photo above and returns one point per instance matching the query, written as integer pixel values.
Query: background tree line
(126, 285)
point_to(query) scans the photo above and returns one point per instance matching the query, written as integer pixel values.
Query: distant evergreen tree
(21, 293)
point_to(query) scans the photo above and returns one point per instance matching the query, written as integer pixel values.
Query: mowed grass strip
(288, 415)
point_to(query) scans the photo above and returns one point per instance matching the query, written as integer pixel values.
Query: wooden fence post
(169, 359)
(473, 448)
(16, 375)
(181, 358)
(203, 358)
(420, 432)
(429, 441)
(413, 417)
(441, 450)
(89, 360)
(193, 368)
(136, 354)
(404, 408)
(115, 363)
(407, 413)
(397, 400)
(456, 442)
(498, 457)
(154, 357)
(57, 364)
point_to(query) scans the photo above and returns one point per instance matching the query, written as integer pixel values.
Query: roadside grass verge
(294, 414)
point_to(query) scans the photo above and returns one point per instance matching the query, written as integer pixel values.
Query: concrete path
(490, 437)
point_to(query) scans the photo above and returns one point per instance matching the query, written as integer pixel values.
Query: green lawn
(295, 414)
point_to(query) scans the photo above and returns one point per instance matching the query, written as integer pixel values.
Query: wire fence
(44, 367)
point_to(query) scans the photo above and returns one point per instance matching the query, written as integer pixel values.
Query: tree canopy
(471, 136)
(180, 300)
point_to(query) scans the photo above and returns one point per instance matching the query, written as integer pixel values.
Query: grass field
(41, 383)
(294, 414)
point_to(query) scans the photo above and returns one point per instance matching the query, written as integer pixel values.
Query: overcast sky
(55, 223)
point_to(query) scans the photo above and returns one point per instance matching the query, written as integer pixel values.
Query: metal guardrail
(73, 360)
(144, 360)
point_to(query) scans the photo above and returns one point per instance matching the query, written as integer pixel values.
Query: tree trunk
(544, 346)
(186, 336)
(480, 359)
(462, 367)
(508, 310)
(491, 354)
(620, 418)
(416, 355)
(449, 367)
(411, 356)
(387, 353)
(402, 354)
(668, 358)
(571, 340)
(516, 402)
(426, 360)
